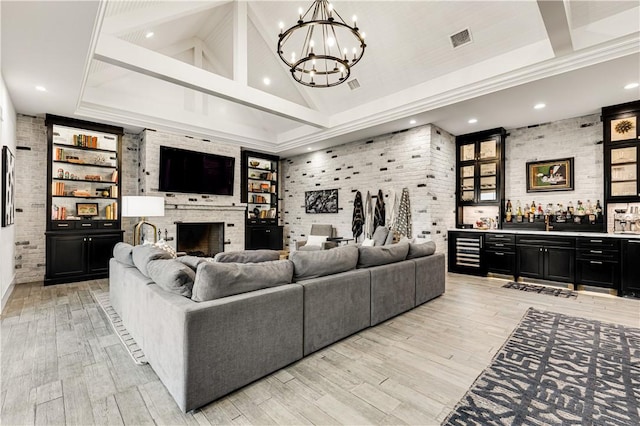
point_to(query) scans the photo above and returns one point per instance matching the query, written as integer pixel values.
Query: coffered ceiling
(203, 70)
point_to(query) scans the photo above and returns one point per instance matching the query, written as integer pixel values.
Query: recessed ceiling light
(149, 34)
(472, 121)
(631, 86)
(412, 122)
(266, 81)
(41, 88)
(539, 106)
(309, 149)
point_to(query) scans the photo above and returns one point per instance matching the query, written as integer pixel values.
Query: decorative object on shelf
(322, 201)
(86, 209)
(254, 163)
(550, 175)
(143, 207)
(623, 129)
(326, 57)
(8, 186)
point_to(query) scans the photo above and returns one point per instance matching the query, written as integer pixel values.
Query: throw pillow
(162, 244)
(389, 239)
(122, 253)
(421, 249)
(192, 261)
(144, 254)
(324, 262)
(172, 275)
(215, 280)
(368, 242)
(381, 255)
(316, 240)
(247, 256)
(380, 235)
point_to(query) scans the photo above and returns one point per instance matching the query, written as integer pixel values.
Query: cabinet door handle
(85, 224)
(63, 225)
(596, 251)
(595, 241)
(498, 236)
(89, 238)
(540, 248)
(546, 250)
(596, 262)
(267, 231)
(499, 254)
(499, 245)
(84, 239)
(634, 241)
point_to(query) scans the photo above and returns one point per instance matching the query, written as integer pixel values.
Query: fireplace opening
(200, 239)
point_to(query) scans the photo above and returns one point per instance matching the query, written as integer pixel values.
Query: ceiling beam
(117, 52)
(556, 22)
(240, 51)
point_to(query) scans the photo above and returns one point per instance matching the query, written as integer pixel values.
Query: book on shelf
(58, 213)
(114, 176)
(111, 211)
(57, 188)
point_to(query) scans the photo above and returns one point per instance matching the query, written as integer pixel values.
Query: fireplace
(200, 239)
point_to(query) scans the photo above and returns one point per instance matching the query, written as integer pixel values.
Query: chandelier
(321, 48)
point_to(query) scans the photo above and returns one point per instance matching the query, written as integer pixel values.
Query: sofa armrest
(300, 243)
(204, 350)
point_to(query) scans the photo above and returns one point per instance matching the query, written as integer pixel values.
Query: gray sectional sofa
(208, 327)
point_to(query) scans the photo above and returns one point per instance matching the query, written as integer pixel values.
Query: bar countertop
(623, 235)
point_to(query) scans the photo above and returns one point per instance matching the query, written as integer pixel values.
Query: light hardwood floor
(61, 363)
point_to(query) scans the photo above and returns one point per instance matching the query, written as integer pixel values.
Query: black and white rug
(560, 292)
(558, 370)
(102, 298)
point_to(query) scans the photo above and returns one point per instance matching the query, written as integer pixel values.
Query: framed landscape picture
(323, 201)
(551, 175)
(87, 209)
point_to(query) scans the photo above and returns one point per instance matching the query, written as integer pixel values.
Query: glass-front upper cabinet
(621, 152)
(479, 162)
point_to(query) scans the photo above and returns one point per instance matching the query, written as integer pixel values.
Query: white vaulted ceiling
(203, 70)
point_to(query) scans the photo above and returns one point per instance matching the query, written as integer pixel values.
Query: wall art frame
(321, 201)
(8, 186)
(87, 209)
(550, 175)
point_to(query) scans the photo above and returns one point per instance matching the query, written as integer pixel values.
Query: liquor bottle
(531, 216)
(598, 210)
(540, 212)
(533, 207)
(580, 209)
(588, 208)
(519, 213)
(570, 210)
(509, 212)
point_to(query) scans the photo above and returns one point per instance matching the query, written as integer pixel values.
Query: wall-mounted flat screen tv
(195, 172)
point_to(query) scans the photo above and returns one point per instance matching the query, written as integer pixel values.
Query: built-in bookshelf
(83, 198)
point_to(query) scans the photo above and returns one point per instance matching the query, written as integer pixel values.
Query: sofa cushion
(325, 262)
(144, 254)
(421, 249)
(368, 242)
(380, 235)
(122, 253)
(215, 280)
(381, 255)
(192, 261)
(247, 256)
(172, 275)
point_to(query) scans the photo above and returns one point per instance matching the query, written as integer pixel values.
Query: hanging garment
(403, 224)
(392, 208)
(379, 214)
(368, 217)
(357, 222)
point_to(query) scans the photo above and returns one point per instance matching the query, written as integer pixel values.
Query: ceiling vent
(354, 84)
(461, 38)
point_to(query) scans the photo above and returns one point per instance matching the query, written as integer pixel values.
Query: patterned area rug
(102, 298)
(561, 292)
(557, 369)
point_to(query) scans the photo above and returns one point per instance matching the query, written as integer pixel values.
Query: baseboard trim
(7, 294)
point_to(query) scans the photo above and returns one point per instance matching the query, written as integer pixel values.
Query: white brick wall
(579, 137)
(31, 198)
(420, 159)
(191, 207)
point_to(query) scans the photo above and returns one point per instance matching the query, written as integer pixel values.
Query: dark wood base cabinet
(630, 282)
(597, 262)
(546, 258)
(75, 257)
(500, 253)
(263, 237)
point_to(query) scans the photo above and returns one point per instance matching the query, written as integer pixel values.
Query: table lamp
(142, 207)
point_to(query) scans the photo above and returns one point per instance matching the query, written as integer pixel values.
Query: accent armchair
(327, 231)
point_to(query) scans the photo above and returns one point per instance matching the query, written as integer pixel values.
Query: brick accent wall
(191, 207)
(420, 159)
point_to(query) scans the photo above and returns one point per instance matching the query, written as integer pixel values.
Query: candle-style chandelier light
(321, 48)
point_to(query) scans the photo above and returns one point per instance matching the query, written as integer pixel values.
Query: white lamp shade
(138, 206)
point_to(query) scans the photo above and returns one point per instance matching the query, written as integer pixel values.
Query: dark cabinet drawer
(598, 254)
(63, 224)
(598, 243)
(543, 240)
(504, 247)
(86, 225)
(500, 238)
(500, 262)
(597, 273)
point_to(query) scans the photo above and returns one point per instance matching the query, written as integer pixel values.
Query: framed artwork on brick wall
(322, 201)
(8, 186)
(551, 175)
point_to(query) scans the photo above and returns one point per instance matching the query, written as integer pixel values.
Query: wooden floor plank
(62, 363)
